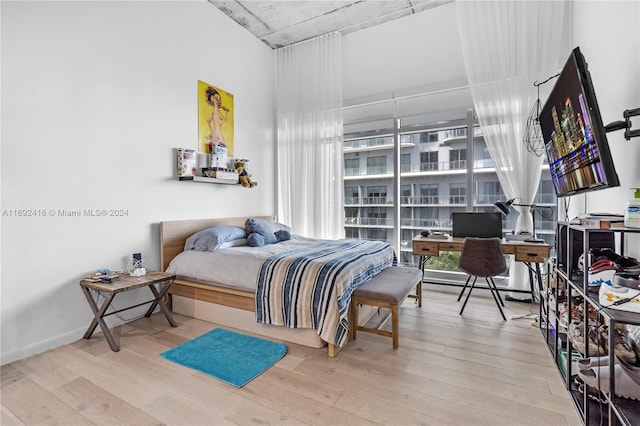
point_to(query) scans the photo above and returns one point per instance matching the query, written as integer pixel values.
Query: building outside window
(444, 167)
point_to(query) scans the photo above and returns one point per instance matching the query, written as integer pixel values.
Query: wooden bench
(386, 290)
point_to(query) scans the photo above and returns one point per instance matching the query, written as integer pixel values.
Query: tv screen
(575, 138)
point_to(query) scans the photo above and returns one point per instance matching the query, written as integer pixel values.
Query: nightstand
(158, 283)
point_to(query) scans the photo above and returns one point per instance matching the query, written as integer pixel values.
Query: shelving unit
(612, 410)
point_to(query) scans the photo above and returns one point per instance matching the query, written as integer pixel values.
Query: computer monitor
(483, 225)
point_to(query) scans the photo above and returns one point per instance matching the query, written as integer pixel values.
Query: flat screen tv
(575, 138)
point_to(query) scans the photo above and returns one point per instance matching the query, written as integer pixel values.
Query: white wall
(417, 51)
(609, 38)
(95, 97)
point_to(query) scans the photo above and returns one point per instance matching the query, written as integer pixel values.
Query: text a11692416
(63, 212)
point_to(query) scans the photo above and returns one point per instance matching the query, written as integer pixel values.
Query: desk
(124, 283)
(531, 254)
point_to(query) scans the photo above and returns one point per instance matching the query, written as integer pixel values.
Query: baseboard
(42, 346)
(65, 338)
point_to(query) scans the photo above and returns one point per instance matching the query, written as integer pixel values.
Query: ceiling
(281, 23)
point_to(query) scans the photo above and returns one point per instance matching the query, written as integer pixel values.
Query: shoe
(598, 377)
(621, 298)
(604, 254)
(625, 348)
(576, 337)
(605, 258)
(587, 363)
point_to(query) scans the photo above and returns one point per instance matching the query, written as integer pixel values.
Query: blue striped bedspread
(312, 287)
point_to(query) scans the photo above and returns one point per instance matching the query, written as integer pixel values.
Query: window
(376, 195)
(445, 167)
(429, 160)
(457, 193)
(351, 166)
(429, 193)
(489, 192)
(351, 195)
(376, 165)
(458, 159)
(405, 162)
(428, 137)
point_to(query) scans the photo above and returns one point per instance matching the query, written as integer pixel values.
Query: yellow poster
(215, 117)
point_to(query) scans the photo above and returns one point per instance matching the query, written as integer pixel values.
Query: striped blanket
(312, 287)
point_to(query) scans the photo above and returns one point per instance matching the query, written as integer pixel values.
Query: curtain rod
(399, 98)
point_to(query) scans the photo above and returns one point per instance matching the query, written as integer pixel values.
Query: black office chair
(482, 257)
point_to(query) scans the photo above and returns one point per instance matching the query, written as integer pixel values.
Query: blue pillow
(212, 238)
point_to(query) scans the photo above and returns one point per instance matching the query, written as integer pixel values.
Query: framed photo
(215, 117)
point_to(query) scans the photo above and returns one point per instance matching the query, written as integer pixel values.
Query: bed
(228, 294)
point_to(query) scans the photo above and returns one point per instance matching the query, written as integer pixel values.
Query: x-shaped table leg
(98, 318)
(159, 294)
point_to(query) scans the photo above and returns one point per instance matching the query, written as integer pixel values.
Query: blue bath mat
(226, 355)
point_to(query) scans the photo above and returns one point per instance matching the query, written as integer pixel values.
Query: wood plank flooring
(449, 370)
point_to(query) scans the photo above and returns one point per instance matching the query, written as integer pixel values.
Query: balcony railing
(351, 201)
(485, 163)
(368, 221)
(427, 199)
(420, 167)
(432, 166)
(489, 198)
(368, 143)
(426, 223)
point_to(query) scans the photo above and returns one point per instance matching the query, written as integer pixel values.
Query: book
(225, 174)
(186, 163)
(217, 156)
(600, 223)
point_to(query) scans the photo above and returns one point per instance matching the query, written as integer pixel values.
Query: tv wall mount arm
(625, 124)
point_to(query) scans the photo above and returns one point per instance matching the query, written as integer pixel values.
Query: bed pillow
(211, 239)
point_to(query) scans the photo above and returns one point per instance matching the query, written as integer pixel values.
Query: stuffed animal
(243, 176)
(259, 233)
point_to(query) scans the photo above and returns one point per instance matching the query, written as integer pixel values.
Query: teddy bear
(243, 176)
(260, 232)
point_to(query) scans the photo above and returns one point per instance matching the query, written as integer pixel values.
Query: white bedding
(236, 267)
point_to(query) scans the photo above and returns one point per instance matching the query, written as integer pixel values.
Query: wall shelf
(213, 180)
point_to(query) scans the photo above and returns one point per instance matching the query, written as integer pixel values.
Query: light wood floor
(475, 369)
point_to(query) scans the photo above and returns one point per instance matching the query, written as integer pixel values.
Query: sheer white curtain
(507, 45)
(309, 137)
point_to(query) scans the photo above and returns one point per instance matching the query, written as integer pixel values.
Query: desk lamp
(505, 207)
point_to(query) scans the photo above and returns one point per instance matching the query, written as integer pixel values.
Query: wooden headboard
(174, 233)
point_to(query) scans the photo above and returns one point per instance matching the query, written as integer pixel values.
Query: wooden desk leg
(164, 287)
(98, 319)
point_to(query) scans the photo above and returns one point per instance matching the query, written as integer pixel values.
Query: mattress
(235, 267)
